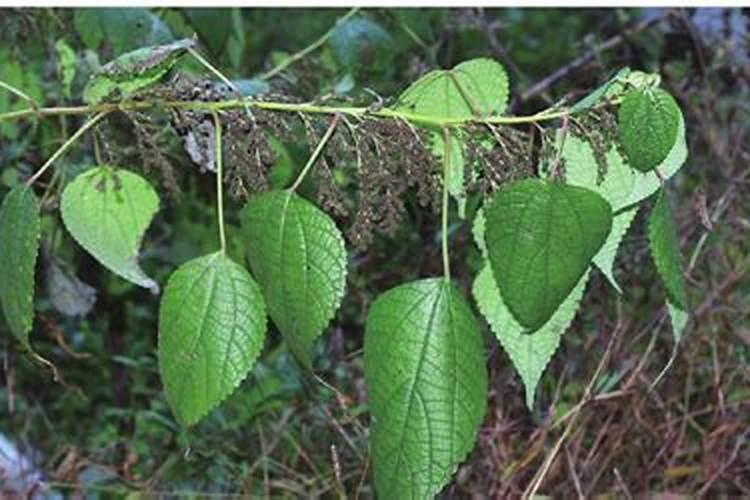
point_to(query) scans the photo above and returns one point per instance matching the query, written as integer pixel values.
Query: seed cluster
(148, 134)
(502, 155)
(392, 157)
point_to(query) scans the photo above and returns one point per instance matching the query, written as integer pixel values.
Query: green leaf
(134, 71)
(665, 249)
(427, 386)
(20, 227)
(26, 77)
(610, 87)
(541, 237)
(456, 182)
(648, 183)
(475, 88)
(298, 256)
(67, 62)
(648, 123)
(212, 324)
(529, 354)
(582, 170)
(605, 259)
(108, 211)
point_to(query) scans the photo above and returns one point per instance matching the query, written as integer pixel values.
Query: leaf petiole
(316, 154)
(219, 186)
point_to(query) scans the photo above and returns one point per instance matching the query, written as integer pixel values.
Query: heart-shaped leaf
(427, 386)
(108, 211)
(541, 237)
(212, 323)
(297, 254)
(19, 247)
(474, 88)
(648, 123)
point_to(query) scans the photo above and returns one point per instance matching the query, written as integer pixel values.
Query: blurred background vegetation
(106, 429)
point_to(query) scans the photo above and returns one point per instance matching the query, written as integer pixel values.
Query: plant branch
(13, 90)
(316, 154)
(219, 185)
(415, 118)
(561, 73)
(310, 48)
(73, 138)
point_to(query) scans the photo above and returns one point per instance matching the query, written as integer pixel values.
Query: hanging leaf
(622, 186)
(530, 354)
(212, 324)
(19, 246)
(456, 181)
(665, 249)
(605, 258)
(427, 386)
(108, 211)
(541, 237)
(648, 123)
(297, 254)
(475, 88)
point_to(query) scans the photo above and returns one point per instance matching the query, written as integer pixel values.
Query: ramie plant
(550, 213)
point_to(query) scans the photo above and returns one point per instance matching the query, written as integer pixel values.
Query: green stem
(446, 180)
(219, 183)
(13, 90)
(415, 118)
(316, 154)
(73, 138)
(221, 77)
(310, 48)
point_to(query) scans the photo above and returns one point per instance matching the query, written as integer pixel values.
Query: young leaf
(474, 88)
(19, 246)
(426, 382)
(541, 237)
(648, 183)
(665, 249)
(648, 122)
(212, 323)
(529, 354)
(108, 211)
(297, 254)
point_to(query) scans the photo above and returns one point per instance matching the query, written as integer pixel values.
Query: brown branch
(561, 73)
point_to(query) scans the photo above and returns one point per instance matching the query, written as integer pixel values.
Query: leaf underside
(19, 248)
(108, 211)
(530, 354)
(475, 88)
(426, 382)
(212, 324)
(298, 256)
(541, 237)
